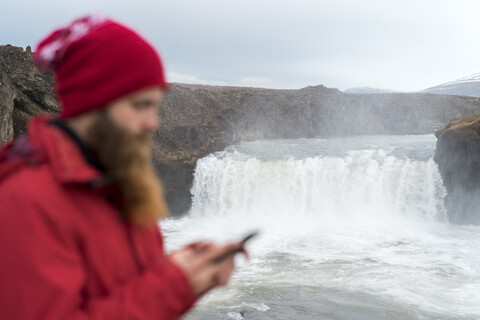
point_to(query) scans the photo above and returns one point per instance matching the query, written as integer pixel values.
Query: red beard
(126, 158)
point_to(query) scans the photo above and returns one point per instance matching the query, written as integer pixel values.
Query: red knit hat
(97, 60)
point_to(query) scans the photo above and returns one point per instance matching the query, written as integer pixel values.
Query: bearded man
(79, 199)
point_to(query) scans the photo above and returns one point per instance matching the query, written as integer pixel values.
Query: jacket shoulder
(15, 155)
(27, 183)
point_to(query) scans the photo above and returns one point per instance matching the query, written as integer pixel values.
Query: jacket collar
(64, 154)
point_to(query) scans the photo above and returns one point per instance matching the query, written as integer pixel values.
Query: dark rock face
(197, 120)
(458, 159)
(24, 91)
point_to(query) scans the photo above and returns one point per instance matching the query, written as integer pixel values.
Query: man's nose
(151, 121)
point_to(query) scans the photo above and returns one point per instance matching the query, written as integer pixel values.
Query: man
(79, 200)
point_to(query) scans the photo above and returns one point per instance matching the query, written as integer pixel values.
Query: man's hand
(198, 262)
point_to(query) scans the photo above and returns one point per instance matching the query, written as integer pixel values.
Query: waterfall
(360, 184)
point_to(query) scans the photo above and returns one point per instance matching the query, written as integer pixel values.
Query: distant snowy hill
(367, 90)
(466, 86)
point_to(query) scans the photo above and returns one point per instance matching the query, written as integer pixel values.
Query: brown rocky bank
(197, 120)
(458, 158)
(24, 91)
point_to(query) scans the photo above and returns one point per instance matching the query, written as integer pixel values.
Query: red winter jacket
(64, 251)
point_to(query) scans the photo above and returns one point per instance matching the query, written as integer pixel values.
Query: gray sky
(404, 45)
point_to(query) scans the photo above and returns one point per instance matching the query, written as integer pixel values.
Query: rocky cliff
(197, 120)
(458, 159)
(24, 91)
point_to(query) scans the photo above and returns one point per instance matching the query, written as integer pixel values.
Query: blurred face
(138, 112)
(120, 140)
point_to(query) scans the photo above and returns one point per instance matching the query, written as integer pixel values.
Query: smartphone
(232, 252)
(248, 237)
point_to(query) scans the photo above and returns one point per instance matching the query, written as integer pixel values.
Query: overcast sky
(404, 45)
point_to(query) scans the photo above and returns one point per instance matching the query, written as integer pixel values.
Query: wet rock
(458, 159)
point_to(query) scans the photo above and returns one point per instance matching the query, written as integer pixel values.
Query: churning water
(351, 228)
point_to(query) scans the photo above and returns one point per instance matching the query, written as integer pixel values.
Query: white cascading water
(363, 184)
(351, 228)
